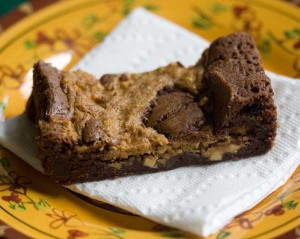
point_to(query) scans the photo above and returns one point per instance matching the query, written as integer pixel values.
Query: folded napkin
(197, 199)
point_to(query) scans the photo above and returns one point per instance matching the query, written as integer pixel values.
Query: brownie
(91, 129)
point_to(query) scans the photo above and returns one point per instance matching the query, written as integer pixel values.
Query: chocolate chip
(105, 79)
(123, 77)
(53, 100)
(175, 114)
(92, 131)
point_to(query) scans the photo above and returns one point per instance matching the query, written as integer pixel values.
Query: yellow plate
(38, 206)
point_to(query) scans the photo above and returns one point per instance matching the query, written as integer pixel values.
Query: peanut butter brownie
(93, 129)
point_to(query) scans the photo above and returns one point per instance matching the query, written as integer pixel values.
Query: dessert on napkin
(92, 129)
(195, 199)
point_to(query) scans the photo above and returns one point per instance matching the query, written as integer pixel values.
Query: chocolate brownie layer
(92, 129)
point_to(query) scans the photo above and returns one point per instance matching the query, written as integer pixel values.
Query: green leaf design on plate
(265, 46)
(21, 206)
(118, 231)
(127, 6)
(43, 203)
(29, 44)
(223, 235)
(201, 22)
(218, 8)
(99, 35)
(89, 20)
(289, 34)
(151, 7)
(290, 205)
(292, 34)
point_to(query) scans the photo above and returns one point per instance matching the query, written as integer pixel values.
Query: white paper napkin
(197, 199)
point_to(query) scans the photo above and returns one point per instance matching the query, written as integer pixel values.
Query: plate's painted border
(274, 229)
(28, 225)
(64, 12)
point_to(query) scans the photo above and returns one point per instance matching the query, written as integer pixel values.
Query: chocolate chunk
(167, 104)
(52, 101)
(123, 77)
(105, 79)
(92, 131)
(175, 114)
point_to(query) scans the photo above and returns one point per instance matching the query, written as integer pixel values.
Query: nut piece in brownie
(93, 129)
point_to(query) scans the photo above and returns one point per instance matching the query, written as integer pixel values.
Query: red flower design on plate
(14, 75)
(73, 234)
(245, 223)
(63, 218)
(277, 210)
(297, 44)
(245, 19)
(73, 40)
(14, 182)
(43, 39)
(14, 197)
(239, 10)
